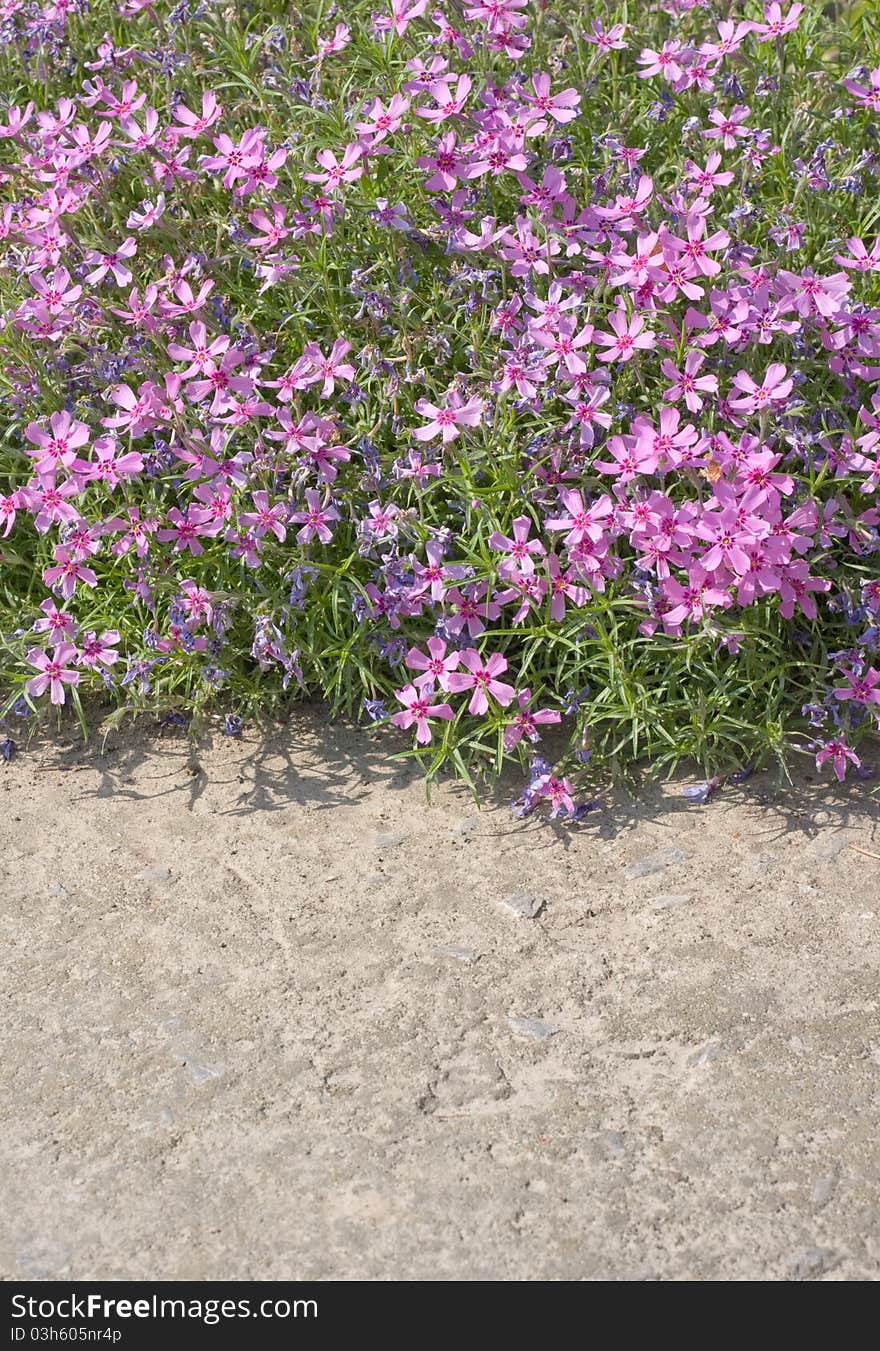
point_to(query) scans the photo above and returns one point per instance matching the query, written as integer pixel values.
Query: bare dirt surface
(267, 1016)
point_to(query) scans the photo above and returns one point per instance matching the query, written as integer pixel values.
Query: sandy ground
(267, 1017)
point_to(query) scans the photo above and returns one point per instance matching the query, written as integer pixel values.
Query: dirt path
(270, 1019)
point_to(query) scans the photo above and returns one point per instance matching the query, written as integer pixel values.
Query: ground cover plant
(474, 367)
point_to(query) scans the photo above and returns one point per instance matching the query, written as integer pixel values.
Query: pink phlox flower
(469, 608)
(860, 258)
(330, 368)
(840, 754)
(519, 550)
(480, 676)
(432, 576)
(113, 263)
(54, 671)
(633, 456)
(266, 518)
(773, 390)
(316, 519)
(527, 721)
(202, 355)
(777, 23)
(860, 688)
(192, 125)
(688, 383)
(629, 335)
(581, 522)
(667, 62)
(381, 523)
(338, 171)
(447, 103)
(728, 127)
(689, 603)
(561, 107)
(67, 571)
(236, 158)
(417, 710)
(447, 419)
(196, 602)
(96, 651)
(58, 624)
(563, 587)
(607, 40)
(435, 665)
(56, 447)
(704, 181)
(55, 291)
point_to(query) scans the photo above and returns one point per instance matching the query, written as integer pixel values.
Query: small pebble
(154, 875)
(533, 1027)
(459, 954)
(613, 1144)
(823, 1189)
(812, 1262)
(668, 901)
(523, 904)
(58, 889)
(655, 863)
(389, 841)
(201, 1073)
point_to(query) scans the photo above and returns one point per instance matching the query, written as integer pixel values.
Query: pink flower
(480, 676)
(563, 588)
(695, 249)
(447, 419)
(332, 367)
(773, 390)
(435, 666)
(447, 103)
(315, 519)
(266, 518)
(838, 752)
(728, 126)
(519, 549)
(776, 24)
(860, 688)
(336, 171)
(447, 165)
(667, 62)
(67, 571)
(688, 384)
(628, 337)
(703, 181)
(57, 446)
(193, 125)
(112, 262)
(561, 107)
(57, 623)
(235, 159)
(632, 456)
(581, 522)
(469, 608)
(383, 121)
(860, 258)
(417, 709)
(54, 674)
(527, 721)
(607, 40)
(95, 650)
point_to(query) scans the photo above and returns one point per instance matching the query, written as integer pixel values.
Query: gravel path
(269, 1015)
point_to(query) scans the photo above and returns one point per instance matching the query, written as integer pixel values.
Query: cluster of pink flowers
(644, 366)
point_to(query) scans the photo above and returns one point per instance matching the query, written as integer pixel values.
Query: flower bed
(477, 367)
